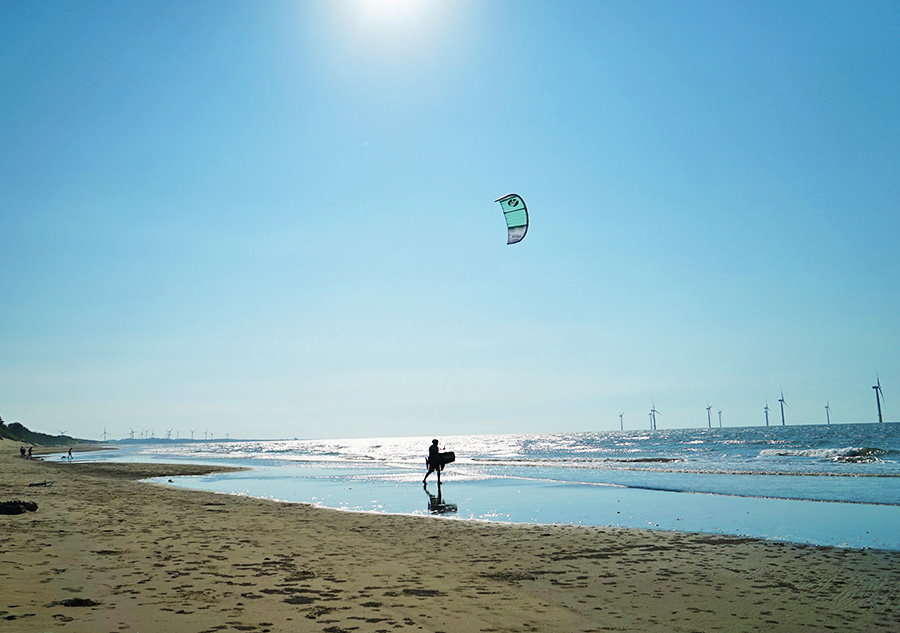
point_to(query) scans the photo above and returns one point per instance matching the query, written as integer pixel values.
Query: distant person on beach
(22, 451)
(433, 461)
(29, 452)
(69, 456)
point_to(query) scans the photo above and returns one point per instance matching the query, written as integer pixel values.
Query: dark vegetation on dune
(17, 432)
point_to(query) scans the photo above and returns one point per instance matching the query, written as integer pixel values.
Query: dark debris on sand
(74, 602)
(17, 507)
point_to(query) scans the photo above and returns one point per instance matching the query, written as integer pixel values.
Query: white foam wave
(845, 454)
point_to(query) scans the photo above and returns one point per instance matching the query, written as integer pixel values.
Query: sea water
(836, 485)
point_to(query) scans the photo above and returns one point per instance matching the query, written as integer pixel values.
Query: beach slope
(106, 552)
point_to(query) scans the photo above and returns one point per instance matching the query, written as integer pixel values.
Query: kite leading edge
(516, 216)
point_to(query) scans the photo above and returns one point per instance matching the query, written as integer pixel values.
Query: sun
(392, 13)
(388, 32)
(395, 27)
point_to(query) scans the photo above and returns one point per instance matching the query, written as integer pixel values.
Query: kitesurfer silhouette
(434, 462)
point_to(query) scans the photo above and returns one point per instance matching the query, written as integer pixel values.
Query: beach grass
(107, 552)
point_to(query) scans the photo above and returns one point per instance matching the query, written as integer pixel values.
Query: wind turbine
(708, 418)
(879, 394)
(653, 413)
(621, 423)
(827, 413)
(61, 432)
(783, 404)
(720, 418)
(767, 412)
(169, 434)
(192, 433)
(131, 433)
(105, 434)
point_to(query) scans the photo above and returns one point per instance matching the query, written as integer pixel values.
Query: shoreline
(46, 449)
(379, 489)
(105, 551)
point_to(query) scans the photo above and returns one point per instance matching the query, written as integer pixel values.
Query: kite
(516, 216)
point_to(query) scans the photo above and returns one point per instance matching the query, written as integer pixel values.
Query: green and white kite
(516, 217)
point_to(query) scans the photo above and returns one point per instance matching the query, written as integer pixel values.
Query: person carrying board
(436, 461)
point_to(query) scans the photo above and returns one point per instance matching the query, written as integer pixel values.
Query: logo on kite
(516, 217)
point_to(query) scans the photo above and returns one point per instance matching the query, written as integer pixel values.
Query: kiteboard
(444, 458)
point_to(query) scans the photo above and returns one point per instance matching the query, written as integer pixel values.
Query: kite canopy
(516, 216)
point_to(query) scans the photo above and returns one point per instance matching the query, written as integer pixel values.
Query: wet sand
(105, 552)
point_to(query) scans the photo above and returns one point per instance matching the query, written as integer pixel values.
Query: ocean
(834, 485)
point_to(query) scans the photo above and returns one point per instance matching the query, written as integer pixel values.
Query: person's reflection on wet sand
(436, 503)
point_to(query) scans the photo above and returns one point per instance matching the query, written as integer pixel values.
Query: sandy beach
(106, 552)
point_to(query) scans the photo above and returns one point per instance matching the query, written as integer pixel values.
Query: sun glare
(392, 13)
(390, 32)
(397, 21)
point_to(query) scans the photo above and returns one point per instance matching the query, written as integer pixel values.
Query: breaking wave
(847, 454)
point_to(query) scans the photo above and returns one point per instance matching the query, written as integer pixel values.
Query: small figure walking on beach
(434, 462)
(69, 456)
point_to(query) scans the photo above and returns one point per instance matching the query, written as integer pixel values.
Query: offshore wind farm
(804, 419)
(807, 419)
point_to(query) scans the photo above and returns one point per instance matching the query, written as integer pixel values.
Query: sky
(276, 219)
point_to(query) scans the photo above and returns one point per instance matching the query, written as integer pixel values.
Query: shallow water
(834, 485)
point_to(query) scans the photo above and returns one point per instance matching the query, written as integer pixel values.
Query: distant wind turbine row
(148, 434)
(782, 403)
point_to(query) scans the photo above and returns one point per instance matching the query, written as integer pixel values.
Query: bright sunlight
(392, 13)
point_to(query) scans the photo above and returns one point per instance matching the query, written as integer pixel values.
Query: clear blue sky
(276, 219)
